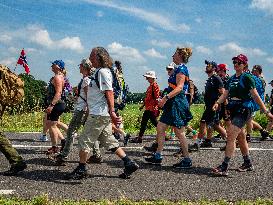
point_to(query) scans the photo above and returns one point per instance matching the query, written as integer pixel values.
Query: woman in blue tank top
(176, 111)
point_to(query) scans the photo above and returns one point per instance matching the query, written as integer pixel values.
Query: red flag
(22, 60)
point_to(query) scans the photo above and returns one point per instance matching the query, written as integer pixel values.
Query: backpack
(260, 87)
(120, 88)
(11, 87)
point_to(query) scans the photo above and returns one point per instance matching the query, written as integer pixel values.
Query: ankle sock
(82, 166)
(247, 159)
(126, 159)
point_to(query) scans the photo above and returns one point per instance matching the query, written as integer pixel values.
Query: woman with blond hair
(176, 110)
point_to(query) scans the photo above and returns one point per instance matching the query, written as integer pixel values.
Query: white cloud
(120, 52)
(162, 44)
(153, 53)
(264, 5)
(73, 43)
(204, 50)
(11, 61)
(151, 29)
(198, 20)
(231, 47)
(235, 49)
(99, 14)
(269, 59)
(42, 37)
(148, 16)
(4, 38)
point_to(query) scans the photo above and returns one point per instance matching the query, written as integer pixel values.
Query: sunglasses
(237, 62)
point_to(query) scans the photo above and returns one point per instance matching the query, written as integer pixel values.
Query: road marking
(6, 192)
(139, 148)
(31, 146)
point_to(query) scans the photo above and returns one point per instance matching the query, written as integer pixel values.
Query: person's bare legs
(180, 134)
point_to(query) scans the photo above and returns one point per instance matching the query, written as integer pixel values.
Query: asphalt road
(148, 183)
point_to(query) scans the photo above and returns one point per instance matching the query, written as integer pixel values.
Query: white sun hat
(150, 74)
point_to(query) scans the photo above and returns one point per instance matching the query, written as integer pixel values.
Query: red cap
(241, 57)
(222, 67)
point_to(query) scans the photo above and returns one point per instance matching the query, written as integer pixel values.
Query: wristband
(167, 97)
(52, 105)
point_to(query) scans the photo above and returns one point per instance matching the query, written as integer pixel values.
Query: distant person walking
(150, 104)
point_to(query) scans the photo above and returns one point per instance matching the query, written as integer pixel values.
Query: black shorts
(210, 117)
(239, 115)
(271, 110)
(56, 112)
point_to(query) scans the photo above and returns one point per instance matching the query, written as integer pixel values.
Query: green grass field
(32, 122)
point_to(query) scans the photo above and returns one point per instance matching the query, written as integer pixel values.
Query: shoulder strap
(97, 78)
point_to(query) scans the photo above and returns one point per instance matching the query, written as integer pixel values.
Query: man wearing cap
(151, 105)
(210, 119)
(222, 73)
(81, 110)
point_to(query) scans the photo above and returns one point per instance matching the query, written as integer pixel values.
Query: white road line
(31, 146)
(6, 192)
(139, 148)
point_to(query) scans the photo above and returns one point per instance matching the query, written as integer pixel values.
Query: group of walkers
(232, 99)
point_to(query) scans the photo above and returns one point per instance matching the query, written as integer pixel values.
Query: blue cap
(59, 63)
(214, 64)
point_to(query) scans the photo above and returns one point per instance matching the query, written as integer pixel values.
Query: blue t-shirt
(172, 79)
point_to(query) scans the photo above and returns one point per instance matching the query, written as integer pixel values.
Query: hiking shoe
(264, 135)
(52, 150)
(129, 168)
(62, 144)
(194, 147)
(96, 159)
(183, 164)
(220, 171)
(179, 153)
(152, 148)
(60, 160)
(153, 160)
(206, 143)
(136, 140)
(15, 168)
(77, 174)
(126, 139)
(248, 138)
(246, 167)
(43, 138)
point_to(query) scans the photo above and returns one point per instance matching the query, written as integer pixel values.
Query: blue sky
(142, 34)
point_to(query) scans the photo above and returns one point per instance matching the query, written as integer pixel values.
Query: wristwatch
(167, 97)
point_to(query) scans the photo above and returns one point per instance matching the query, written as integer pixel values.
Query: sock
(126, 159)
(246, 159)
(158, 155)
(82, 166)
(187, 159)
(225, 162)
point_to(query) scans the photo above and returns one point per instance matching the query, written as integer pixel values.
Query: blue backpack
(120, 90)
(260, 87)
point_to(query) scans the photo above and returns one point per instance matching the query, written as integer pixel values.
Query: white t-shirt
(81, 103)
(96, 99)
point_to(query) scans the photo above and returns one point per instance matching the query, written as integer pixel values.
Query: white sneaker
(43, 138)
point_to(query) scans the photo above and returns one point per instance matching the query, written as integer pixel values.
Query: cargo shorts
(97, 128)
